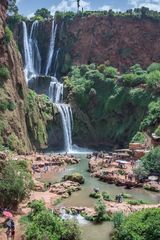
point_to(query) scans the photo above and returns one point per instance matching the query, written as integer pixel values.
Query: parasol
(7, 214)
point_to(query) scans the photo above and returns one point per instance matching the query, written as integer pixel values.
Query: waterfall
(66, 115)
(32, 63)
(55, 91)
(32, 56)
(51, 47)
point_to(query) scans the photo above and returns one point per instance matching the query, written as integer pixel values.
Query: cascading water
(32, 64)
(32, 56)
(51, 47)
(56, 91)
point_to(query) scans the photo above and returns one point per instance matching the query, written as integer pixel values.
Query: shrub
(157, 131)
(153, 79)
(143, 225)
(110, 72)
(136, 202)
(95, 195)
(14, 143)
(151, 161)
(8, 36)
(118, 219)
(153, 115)
(3, 105)
(106, 196)
(132, 79)
(4, 73)
(153, 67)
(101, 214)
(139, 138)
(11, 106)
(46, 225)
(13, 192)
(137, 69)
(126, 195)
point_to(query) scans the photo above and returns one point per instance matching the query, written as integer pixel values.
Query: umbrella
(7, 214)
(153, 178)
(121, 161)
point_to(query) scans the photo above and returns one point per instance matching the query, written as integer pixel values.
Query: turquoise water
(81, 198)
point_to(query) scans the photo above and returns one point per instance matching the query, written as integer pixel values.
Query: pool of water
(82, 199)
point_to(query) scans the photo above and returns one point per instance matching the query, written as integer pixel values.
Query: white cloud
(108, 7)
(30, 15)
(105, 8)
(151, 4)
(69, 5)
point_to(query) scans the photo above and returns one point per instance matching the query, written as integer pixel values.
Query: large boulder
(75, 177)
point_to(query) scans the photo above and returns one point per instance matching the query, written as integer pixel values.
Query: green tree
(15, 183)
(43, 224)
(143, 225)
(43, 12)
(151, 161)
(78, 4)
(12, 7)
(101, 214)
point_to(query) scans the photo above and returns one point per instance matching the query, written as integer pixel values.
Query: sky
(28, 7)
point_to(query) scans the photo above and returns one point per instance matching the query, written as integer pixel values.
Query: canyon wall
(123, 41)
(13, 130)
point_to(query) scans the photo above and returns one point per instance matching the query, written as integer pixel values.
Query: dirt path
(18, 232)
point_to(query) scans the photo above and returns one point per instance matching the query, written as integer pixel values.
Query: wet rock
(64, 189)
(152, 186)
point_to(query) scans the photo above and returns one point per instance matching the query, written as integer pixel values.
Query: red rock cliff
(124, 41)
(13, 90)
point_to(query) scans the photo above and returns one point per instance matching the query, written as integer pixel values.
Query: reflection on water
(82, 199)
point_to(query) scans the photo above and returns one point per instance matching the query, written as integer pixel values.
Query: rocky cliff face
(13, 90)
(123, 41)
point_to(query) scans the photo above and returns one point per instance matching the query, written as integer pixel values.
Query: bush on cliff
(139, 138)
(143, 225)
(4, 73)
(46, 225)
(8, 36)
(15, 183)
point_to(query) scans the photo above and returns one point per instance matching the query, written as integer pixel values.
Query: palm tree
(78, 4)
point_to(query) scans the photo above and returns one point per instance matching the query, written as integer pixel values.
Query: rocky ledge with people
(118, 168)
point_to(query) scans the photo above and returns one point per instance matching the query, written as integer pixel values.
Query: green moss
(39, 118)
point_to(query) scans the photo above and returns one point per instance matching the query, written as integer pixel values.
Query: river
(81, 198)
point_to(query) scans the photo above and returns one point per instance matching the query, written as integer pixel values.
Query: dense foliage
(142, 225)
(114, 107)
(140, 13)
(150, 164)
(39, 114)
(43, 224)
(15, 183)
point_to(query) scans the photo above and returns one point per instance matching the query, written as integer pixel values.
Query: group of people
(119, 198)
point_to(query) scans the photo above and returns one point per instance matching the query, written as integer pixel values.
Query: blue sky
(28, 7)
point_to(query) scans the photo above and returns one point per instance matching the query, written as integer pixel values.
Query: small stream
(81, 198)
